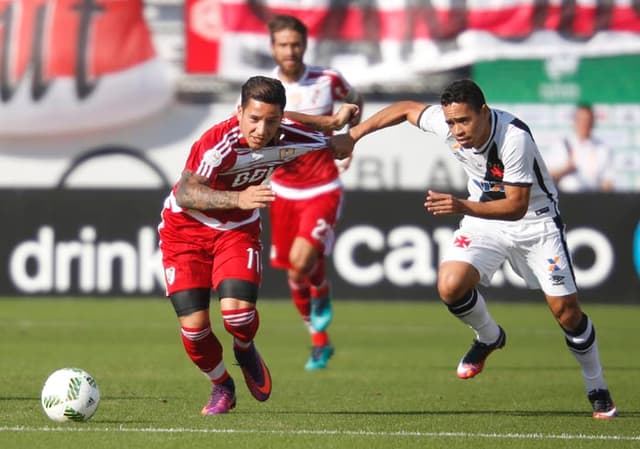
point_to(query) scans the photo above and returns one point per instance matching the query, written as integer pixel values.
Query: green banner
(561, 80)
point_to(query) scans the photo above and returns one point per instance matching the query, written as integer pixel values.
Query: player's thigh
(485, 249)
(303, 255)
(545, 263)
(187, 265)
(238, 255)
(284, 220)
(318, 218)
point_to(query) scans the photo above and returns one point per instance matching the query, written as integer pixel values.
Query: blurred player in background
(210, 233)
(511, 214)
(581, 162)
(308, 191)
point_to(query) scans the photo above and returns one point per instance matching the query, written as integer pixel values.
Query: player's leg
(580, 337)
(285, 218)
(474, 255)
(551, 264)
(457, 282)
(236, 277)
(203, 348)
(187, 269)
(308, 266)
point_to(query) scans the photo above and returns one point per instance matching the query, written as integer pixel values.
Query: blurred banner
(383, 41)
(68, 66)
(104, 243)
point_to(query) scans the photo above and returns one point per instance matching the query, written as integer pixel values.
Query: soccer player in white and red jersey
(308, 191)
(210, 232)
(511, 214)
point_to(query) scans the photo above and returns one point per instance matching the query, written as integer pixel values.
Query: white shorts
(537, 251)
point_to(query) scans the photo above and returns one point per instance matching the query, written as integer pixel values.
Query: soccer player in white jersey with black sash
(511, 214)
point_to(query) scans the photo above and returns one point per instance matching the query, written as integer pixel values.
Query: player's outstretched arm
(394, 114)
(326, 123)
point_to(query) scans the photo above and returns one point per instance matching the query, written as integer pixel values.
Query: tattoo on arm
(194, 193)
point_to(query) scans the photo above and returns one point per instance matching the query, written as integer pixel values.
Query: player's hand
(256, 197)
(443, 204)
(343, 164)
(347, 114)
(341, 145)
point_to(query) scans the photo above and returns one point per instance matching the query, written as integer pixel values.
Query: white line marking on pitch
(515, 436)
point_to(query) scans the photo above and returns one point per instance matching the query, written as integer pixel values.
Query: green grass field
(391, 383)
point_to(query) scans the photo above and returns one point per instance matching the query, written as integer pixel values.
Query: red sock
(318, 276)
(242, 324)
(301, 298)
(205, 351)
(319, 339)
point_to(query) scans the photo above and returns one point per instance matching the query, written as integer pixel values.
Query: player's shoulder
(294, 131)
(222, 134)
(316, 71)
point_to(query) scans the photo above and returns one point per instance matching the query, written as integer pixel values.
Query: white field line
(512, 436)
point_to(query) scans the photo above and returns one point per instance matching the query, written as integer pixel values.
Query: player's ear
(239, 111)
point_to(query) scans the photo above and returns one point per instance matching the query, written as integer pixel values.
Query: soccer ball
(70, 394)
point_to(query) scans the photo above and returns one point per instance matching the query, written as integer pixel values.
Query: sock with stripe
(472, 311)
(205, 351)
(242, 324)
(583, 345)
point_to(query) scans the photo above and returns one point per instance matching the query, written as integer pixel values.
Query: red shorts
(204, 258)
(313, 219)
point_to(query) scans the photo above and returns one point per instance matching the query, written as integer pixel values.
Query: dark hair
(284, 22)
(585, 105)
(264, 89)
(463, 91)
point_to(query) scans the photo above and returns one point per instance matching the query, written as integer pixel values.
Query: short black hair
(264, 89)
(285, 22)
(463, 91)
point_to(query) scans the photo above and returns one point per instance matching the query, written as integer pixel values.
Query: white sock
(472, 311)
(584, 347)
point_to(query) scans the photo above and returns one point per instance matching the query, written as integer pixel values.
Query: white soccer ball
(70, 394)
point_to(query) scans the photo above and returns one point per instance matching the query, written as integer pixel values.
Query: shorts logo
(462, 242)
(170, 275)
(553, 264)
(557, 280)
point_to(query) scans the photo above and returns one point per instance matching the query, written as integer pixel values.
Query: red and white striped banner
(73, 65)
(375, 41)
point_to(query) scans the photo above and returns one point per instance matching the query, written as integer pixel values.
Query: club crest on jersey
(212, 157)
(170, 275)
(287, 152)
(462, 241)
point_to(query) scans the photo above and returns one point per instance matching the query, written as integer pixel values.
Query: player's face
(470, 128)
(288, 49)
(583, 123)
(259, 122)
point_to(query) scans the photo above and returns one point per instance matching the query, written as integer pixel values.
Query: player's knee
(302, 263)
(242, 323)
(567, 312)
(450, 287)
